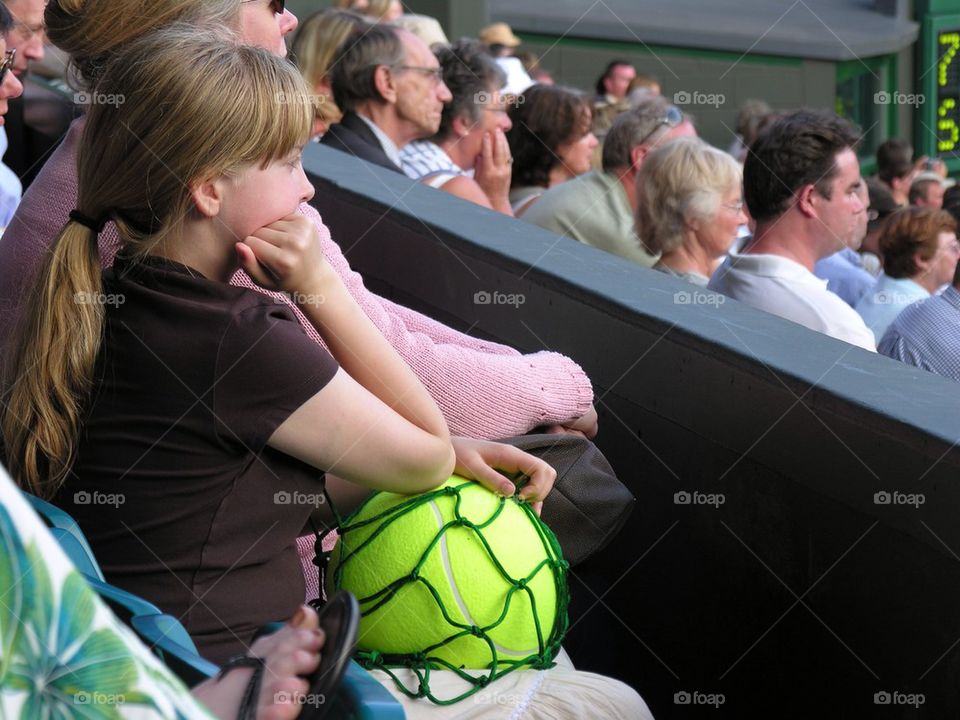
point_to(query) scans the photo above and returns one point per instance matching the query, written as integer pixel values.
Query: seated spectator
(802, 187)
(690, 206)
(23, 36)
(502, 44)
(843, 270)
(927, 333)
(614, 83)
(612, 89)
(314, 47)
(550, 141)
(390, 88)
(10, 87)
(920, 253)
(250, 439)
(927, 190)
(600, 207)
(499, 39)
(895, 169)
(471, 135)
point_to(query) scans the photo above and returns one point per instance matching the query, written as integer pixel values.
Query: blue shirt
(927, 335)
(886, 300)
(845, 275)
(10, 188)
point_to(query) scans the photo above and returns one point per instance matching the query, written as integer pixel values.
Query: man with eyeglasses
(390, 87)
(28, 35)
(599, 208)
(25, 40)
(802, 186)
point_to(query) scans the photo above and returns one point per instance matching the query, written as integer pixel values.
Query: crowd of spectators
(782, 220)
(796, 231)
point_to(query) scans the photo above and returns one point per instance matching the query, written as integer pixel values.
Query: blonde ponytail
(54, 363)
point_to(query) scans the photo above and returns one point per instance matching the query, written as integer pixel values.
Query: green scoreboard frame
(938, 132)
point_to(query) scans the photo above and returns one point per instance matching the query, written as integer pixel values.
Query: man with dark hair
(599, 207)
(803, 188)
(927, 334)
(471, 135)
(390, 88)
(613, 84)
(895, 168)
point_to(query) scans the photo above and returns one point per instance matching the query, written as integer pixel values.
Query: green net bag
(458, 579)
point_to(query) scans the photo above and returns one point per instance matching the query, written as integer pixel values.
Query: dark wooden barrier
(786, 586)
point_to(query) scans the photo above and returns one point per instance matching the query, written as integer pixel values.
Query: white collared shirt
(389, 147)
(786, 288)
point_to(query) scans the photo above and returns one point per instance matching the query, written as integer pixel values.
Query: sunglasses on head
(671, 118)
(7, 64)
(279, 6)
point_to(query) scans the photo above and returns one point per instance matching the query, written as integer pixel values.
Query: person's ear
(923, 266)
(383, 80)
(207, 195)
(324, 87)
(637, 154)
(461, 126)
(807, 200)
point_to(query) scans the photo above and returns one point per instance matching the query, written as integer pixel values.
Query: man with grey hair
(598, 208)
(391, 90)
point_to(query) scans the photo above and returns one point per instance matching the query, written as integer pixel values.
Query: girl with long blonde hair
(186, 423)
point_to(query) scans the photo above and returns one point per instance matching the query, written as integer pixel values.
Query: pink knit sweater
(484, 390)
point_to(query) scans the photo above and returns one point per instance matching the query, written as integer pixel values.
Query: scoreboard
(938, 72)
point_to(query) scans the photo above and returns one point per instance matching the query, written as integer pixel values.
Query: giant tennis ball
(457, 574)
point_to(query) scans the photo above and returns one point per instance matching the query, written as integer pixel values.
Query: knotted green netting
(369, 543)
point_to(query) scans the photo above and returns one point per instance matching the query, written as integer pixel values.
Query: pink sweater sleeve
(484, 389)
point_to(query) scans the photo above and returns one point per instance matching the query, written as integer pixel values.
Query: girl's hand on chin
(285, 255)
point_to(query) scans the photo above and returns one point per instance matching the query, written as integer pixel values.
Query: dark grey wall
(799, 592)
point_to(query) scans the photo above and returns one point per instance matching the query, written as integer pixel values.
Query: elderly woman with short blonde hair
(690, 207)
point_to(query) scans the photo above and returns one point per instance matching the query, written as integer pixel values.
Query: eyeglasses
(736, 207)
(671, 118)
(7, 63)
(434, 73)
(279, 6)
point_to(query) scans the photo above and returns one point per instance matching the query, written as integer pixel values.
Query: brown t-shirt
(174, 484)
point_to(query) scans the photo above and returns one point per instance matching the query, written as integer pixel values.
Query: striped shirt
(927, 335)
(424, 159)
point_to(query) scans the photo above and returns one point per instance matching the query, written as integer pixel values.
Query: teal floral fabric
(63, 654)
